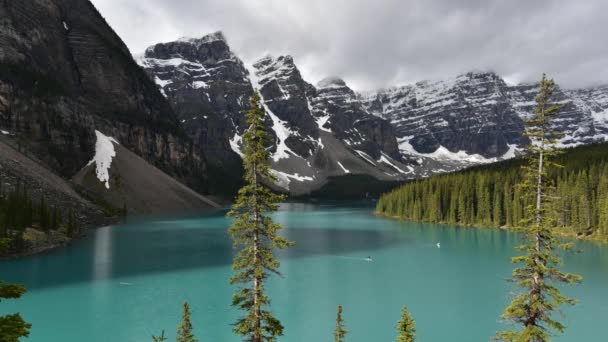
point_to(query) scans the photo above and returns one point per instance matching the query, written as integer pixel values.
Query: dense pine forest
(489, 196)
(19, 211)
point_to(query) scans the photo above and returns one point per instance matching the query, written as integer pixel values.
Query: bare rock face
(477, 113)
(64, 72)
(342, 112)
(470, 113)
(210, 87)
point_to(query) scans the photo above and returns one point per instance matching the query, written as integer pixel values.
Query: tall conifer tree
(340, 332)
(406, 327)
(184, 330)
(254, 232)
(533, 309)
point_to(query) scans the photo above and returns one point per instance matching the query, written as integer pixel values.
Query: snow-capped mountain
(477, 113)
(318, 132)
(328, 129)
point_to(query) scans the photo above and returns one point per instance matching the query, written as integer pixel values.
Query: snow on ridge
(343, 168)
(104, 153)
(212, 37)
(284, 179)
(321, 121)
(366, 157)
(282, 132)
(387, 160)
(443, 154)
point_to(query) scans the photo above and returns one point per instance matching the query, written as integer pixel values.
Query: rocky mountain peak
(209, 49)
(331, 82)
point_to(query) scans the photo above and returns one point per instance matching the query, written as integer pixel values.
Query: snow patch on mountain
(235, 143)
(282, 133)
(342, 167)
(104, 153)
(387, 160)
(283, 179)
(443, 154)
(366, 157)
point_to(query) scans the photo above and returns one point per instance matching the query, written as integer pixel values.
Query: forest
(19, 211)
(489, 195)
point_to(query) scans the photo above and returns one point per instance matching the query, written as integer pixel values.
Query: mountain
(64, 73)
(328, 130)
(477, 113)
(317, 131)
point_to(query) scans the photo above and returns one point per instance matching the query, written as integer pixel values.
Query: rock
(59, 84)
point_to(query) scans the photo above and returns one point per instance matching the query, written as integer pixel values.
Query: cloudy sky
(379, 43)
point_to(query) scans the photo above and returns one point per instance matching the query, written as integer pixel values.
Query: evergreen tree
(184, 330)
(12, 327)
(340, 332)
(406, 327)
(256, 234)
(540, 298)
(160, 338)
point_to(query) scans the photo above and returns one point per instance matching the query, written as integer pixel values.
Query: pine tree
(340, 332)
(184, 330)
(406, 327)
(12, 327)
(160, 338)
(540, 298)
(256, 234)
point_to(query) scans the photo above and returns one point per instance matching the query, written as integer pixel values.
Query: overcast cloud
(380, 43)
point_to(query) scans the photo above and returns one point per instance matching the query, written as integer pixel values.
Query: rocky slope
(124, 180)
(64, 73)
(318, 132)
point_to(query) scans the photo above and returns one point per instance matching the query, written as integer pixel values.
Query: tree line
(490, 196)
(18, 211)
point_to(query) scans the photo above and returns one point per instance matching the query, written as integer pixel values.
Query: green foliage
(539, 272)
(184, 330)
(490, 196)
(18, 212)
(160, 338)
(12, 327)
(406, 328)
(340, 332)
(254, 232)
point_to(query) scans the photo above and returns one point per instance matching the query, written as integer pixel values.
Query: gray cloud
(379, 43)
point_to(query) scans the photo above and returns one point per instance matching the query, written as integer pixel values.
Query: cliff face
(470, 113)
(318, 132)
(64, 73)
(478, 113)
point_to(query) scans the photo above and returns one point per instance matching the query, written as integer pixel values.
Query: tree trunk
(256, 281)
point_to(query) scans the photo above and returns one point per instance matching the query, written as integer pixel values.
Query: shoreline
(54, 245)
(559, 232)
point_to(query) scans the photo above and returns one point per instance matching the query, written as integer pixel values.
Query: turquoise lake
(127, 282)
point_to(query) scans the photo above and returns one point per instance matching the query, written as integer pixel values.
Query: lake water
(127, 282)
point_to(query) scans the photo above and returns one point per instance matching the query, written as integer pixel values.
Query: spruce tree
(533, 309)
(340, 332)
(254, 232)
(184, 330)
(12, 327)
(406, 327)
(160, 338)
